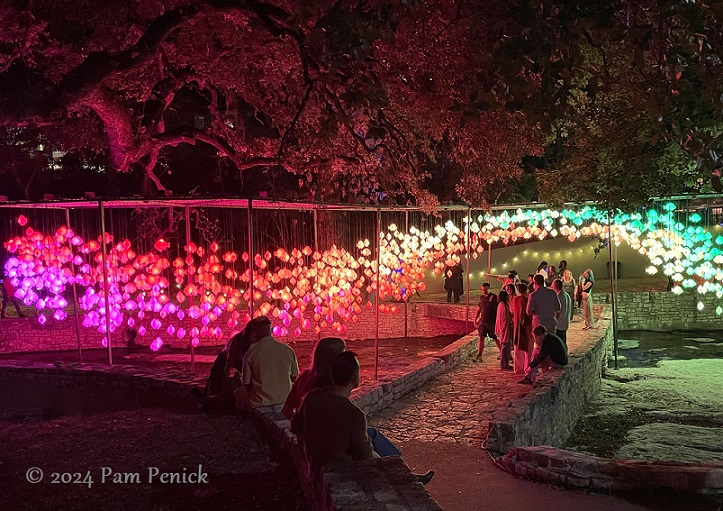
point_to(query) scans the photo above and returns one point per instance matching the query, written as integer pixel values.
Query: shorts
(487, 331)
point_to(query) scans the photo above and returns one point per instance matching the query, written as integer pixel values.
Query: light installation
(206, 288)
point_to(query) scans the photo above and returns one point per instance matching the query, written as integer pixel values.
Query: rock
(673, 442)
(701, 339)
(628, 344)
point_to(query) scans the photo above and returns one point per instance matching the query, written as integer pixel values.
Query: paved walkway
(443, 425)
(457, 406)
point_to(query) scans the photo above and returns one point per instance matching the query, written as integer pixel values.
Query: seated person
(551, 354)
(225, 374)
(332, 428)
(268, 370)
(317, 375)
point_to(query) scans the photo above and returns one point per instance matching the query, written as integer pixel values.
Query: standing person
(522, 331)
(543, 305)
(510, 278)
(530, 283)
(9, 297)
(511, 289)
(551, 275)
(504, 329)
(568, 284)
(542, 269)
(453, 281)
(587, 280)
(551, 354)
(485, 319)
(317, 375)
(563, 320)
(561, 267)
(269, 368)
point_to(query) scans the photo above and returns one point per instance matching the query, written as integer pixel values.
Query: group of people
(528, 321)
(255, 370)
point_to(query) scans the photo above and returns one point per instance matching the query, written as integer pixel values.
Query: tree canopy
(400, 101)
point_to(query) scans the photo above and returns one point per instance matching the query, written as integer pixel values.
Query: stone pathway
(457, 406)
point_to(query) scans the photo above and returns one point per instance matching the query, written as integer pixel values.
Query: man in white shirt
(269, 369)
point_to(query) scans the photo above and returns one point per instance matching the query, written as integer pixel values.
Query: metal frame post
(104, 257)
(489, 261)
(466, 312)
(251, 259)
(316, 233)
(611, 273)
(75, 296)
(407, 298)
(190, 281)
(376, 298)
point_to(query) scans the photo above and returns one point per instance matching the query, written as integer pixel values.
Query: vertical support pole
(467, 245)
(612, 287)
(251, 259)
(190, 281)
(104, 258)
(407, 298)
(316, 232)
(75, 297)
(376, 298)
(489, 262)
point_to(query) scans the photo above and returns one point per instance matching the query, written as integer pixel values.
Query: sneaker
(525, 381)
(424, 478)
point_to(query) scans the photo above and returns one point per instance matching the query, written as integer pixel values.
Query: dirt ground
(243, 472)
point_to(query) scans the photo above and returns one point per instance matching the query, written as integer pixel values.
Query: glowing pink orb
(22, 221)
(156, 344)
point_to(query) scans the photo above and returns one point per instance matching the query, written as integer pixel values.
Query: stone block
(669, 477)
(385, 494)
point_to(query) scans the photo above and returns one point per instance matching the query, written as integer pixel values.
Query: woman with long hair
(568, 285)
(224, 378)
(503, 328)
(587, 280)
(522, 330)
(317, 375)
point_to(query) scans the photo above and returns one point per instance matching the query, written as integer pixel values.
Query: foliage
(340, 100)
(617, 84)
(384, 100)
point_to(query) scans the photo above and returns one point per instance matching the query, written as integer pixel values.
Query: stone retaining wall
(547, 415)
(423, 320)
(551, 465)
(667, 311)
